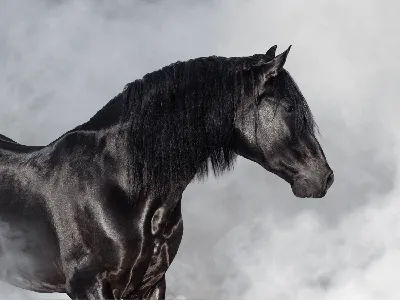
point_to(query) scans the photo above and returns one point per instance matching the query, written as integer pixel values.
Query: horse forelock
(289, 90)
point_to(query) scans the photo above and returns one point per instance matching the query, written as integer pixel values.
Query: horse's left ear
(274, 66)
(271, 53)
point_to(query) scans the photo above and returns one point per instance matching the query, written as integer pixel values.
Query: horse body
(97, 213)
(67, 234)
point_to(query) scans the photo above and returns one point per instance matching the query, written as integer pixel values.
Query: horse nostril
(329, 180)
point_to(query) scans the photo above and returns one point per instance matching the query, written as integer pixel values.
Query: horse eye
(289, 108)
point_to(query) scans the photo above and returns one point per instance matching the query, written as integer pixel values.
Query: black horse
(96, 214)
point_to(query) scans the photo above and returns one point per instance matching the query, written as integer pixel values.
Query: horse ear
(273, 67)
(271, 53)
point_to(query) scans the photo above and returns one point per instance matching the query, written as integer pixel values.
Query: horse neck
(105, 122)
(107, 117)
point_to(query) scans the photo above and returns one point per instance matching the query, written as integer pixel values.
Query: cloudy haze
(246, 236)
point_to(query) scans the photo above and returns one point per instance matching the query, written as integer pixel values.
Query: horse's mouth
(302, 188)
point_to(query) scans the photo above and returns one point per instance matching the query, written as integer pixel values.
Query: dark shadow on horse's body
(97, 213)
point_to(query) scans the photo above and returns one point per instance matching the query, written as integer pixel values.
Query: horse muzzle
(306, 188)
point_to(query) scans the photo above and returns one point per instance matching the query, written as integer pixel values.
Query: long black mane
(181, 118)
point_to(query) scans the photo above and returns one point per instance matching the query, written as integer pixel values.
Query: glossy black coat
(97, 213)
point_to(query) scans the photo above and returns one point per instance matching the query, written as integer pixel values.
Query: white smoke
(246, 236)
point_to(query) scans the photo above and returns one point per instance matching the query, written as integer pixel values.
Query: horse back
(6, 139)
(10, 145)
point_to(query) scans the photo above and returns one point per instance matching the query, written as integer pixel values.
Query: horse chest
(167, 231)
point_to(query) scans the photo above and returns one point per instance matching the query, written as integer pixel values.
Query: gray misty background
(246, 236)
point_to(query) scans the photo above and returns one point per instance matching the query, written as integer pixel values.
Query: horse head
(275, 129)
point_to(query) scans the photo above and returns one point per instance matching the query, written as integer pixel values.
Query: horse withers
(96, 214)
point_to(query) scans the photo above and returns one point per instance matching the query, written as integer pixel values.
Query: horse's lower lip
(301, 188)
(319, 195)
(302, 195)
